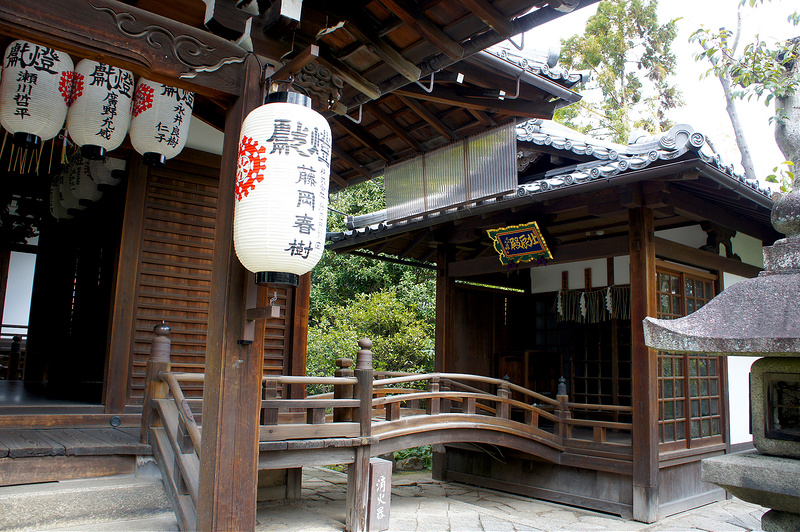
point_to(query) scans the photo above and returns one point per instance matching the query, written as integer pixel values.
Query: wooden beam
(426, 29)
(427, 116)
(300, 308)
(149, 45)
(354, 164)
(443, 95)
(644, 366)
(356, 80)
(297, 63)
(482, 117)
(423, 234)
(360, 29)
(392, 124)
(666, 249)
(695, 208)
(364, 137)
(490, 16)
(592, 249)
(232, 390)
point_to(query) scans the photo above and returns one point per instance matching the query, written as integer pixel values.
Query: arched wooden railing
(369, 414)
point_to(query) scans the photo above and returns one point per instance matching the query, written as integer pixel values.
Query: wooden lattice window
(689, 385)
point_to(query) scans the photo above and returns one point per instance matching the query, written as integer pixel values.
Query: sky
(704, 107)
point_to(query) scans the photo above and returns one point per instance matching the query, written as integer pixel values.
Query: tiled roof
(610, 161)
(614, 159)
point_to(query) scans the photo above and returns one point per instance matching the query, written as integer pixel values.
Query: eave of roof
(679, 150)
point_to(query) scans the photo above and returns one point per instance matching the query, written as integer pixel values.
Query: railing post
(565, 429)
(343, 391)
(434, 403)
(270, 415)
(154, 387)
(358, 472)
(445, 403)
(503, 408)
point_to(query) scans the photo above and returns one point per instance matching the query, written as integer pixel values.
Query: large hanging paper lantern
(57, 209)
(34, 92)
(84, 186)
(68, 199)
(100, 112)
(160, 120)
(108, 171)
(282, 188)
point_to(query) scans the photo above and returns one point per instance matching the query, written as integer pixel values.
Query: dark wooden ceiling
(366, 59)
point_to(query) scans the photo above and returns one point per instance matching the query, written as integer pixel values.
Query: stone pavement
(420, 504)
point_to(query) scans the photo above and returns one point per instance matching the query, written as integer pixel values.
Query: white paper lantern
(84, 186)
(69, 200)
(100, 112)
(108, 171)
(57, 210)
(160, 120)
(34, 92)
(282, 188)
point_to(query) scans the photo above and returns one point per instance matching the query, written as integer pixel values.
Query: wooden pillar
(123, 322)
(444, 344)
(444, 320)
(300, 308)
(231, 395)
(645, 366)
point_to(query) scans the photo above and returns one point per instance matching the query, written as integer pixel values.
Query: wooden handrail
(183, 409)
(297, 379)
(606, 408)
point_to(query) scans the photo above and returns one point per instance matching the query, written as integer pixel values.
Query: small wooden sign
(380, 494)
(519, 243)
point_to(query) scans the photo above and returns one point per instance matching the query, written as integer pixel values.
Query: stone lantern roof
(755, 317)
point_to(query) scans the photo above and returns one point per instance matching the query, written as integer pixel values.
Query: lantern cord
(273, 299)
(337, 212)
(3, 147)
(10, 157)
(50, 162)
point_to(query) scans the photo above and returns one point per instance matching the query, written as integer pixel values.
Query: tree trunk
(741, 142)
(787, 127)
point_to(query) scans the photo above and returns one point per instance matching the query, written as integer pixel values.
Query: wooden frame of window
(691, 400)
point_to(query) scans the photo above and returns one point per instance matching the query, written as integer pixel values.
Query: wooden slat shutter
(175, 270)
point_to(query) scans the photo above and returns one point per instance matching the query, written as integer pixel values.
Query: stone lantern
(757, 317)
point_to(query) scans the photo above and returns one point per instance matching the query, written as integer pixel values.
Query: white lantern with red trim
(100, 112)
(160, 120)
(282, 188)
(34, 92)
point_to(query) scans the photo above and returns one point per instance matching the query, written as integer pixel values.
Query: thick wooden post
(154, 387)
(644, 366)
(444, 342)
(231, 394)
(358, 472)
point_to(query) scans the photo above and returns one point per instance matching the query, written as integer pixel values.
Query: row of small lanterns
(41, 89)
(283, 164)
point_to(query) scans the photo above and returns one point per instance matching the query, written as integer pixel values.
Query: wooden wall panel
(175, 271)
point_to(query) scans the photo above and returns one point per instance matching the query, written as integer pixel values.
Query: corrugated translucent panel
(492, 162)
(444, 177)
(405, 189)
(481, 166)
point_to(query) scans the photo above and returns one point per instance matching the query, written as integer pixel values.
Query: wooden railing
(370, 414)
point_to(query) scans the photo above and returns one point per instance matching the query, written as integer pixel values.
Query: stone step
(87, 504)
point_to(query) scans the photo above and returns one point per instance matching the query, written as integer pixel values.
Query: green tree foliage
(354, 297)
(630, 59)
(765, 70)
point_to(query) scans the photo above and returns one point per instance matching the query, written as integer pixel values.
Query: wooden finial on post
(358, 472)
(154, 387)
(563, 409)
